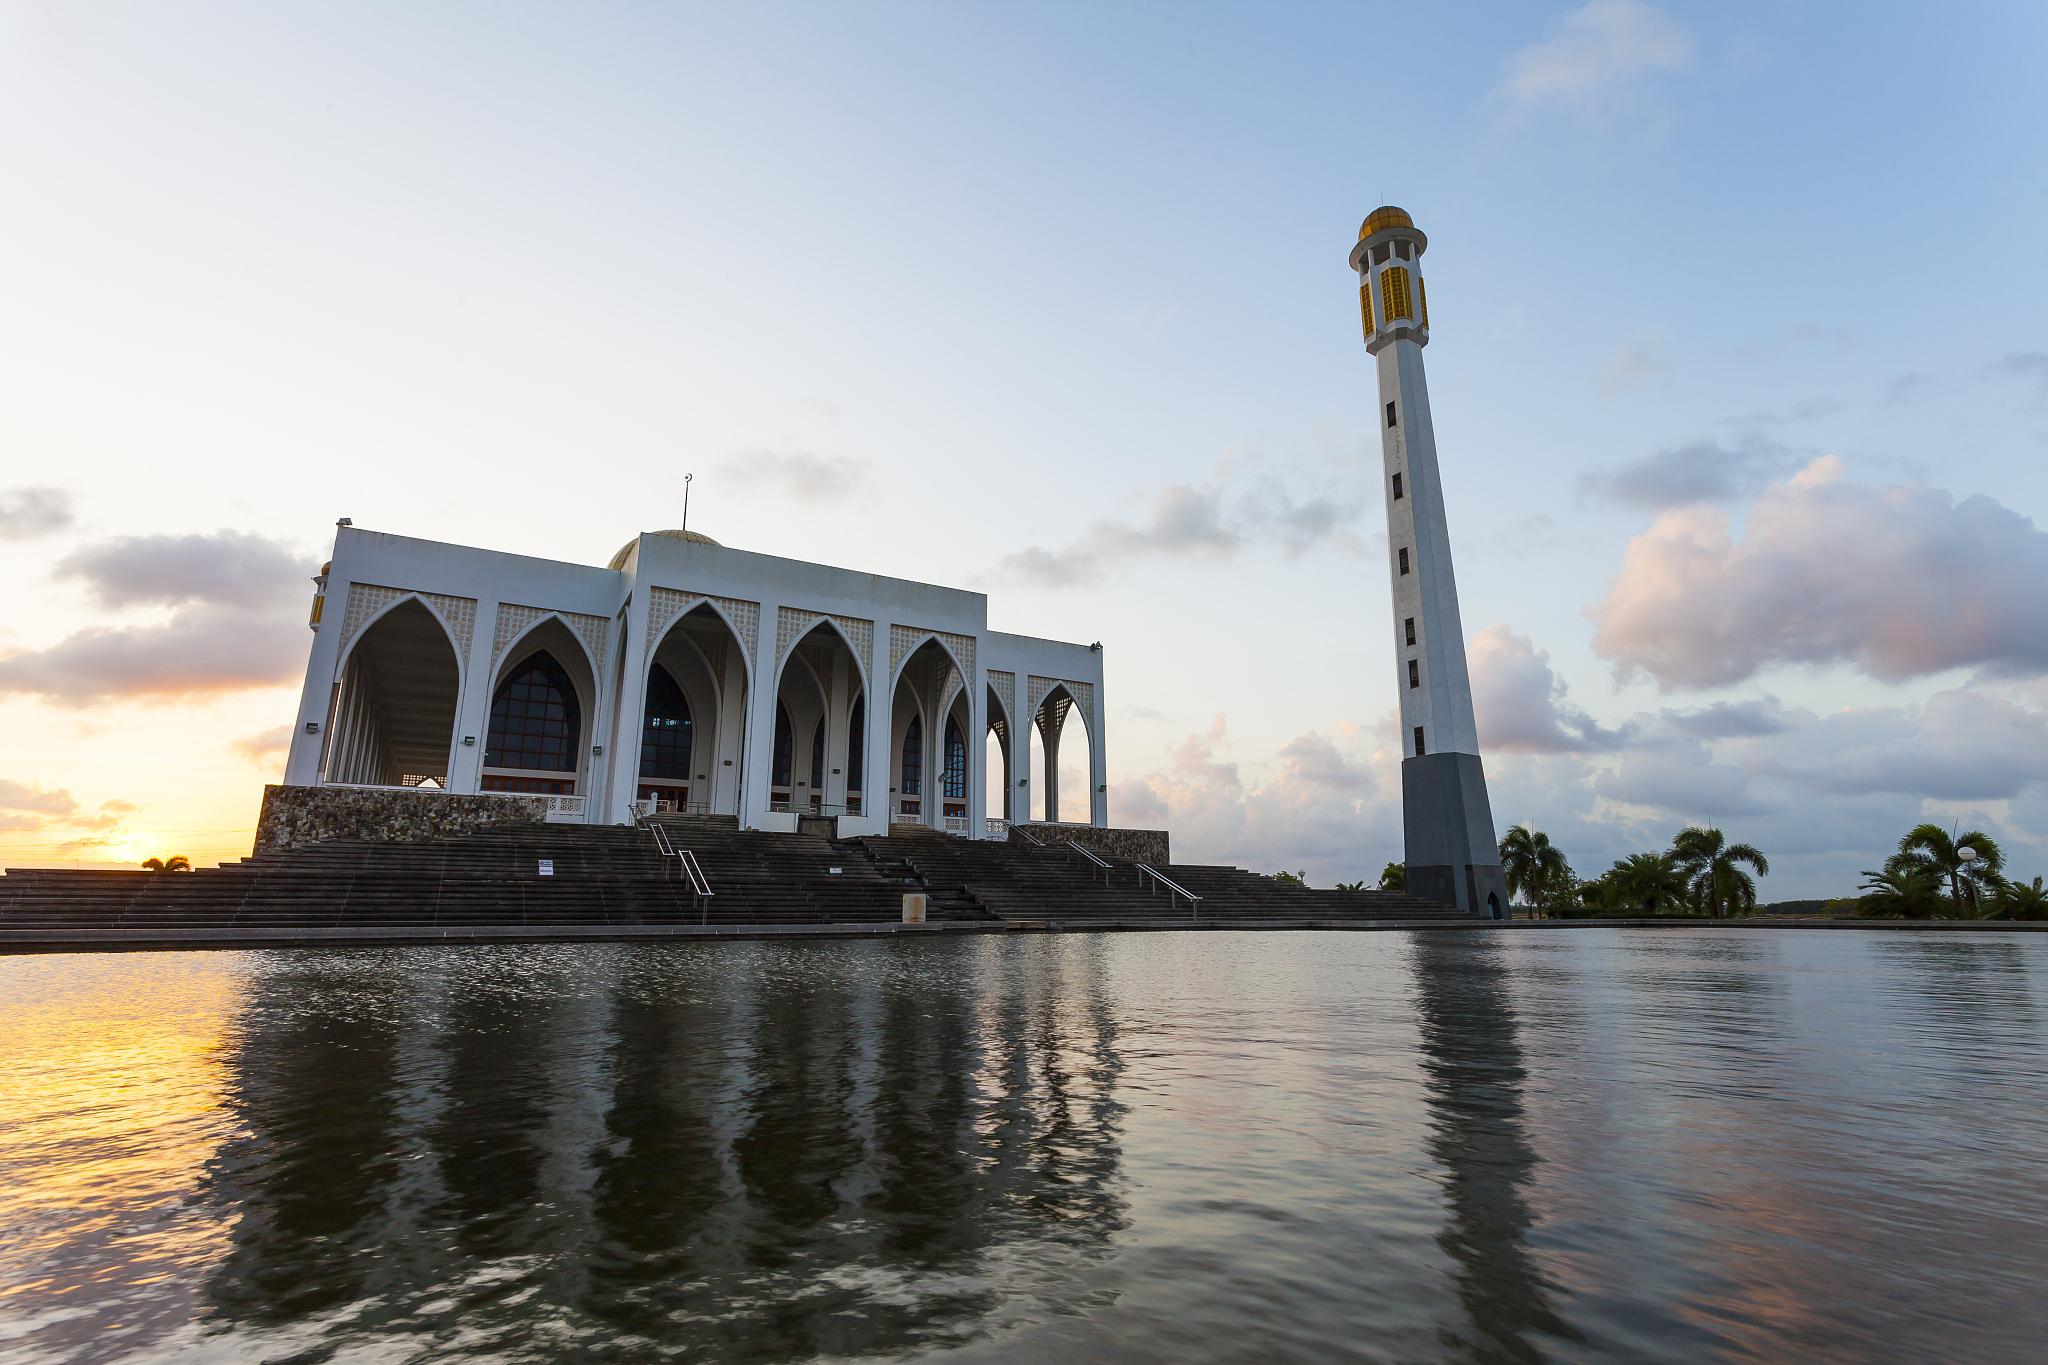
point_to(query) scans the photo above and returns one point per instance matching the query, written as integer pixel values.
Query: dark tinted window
(535, 719)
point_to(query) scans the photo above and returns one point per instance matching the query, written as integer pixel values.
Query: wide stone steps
(607, 876)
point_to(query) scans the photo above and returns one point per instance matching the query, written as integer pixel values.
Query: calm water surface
(1586, 1145)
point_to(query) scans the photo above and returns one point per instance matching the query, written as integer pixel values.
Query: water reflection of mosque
(821, 1152)
(756, 1155)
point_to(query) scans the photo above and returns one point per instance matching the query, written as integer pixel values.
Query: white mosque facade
(687, 675)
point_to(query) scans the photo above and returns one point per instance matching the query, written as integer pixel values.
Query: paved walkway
(133, 940)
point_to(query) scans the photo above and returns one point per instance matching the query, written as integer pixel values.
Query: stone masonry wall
(306, 815)
(1139, 845)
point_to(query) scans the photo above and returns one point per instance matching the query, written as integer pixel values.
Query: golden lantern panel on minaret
(1365, 309)
(1422, 297)
(1394, 300)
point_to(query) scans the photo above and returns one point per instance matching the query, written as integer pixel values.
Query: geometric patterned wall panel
(793, 623)
(903, 638)
(1005, 686)
(365, 600)
(664, 605)
(513, 620)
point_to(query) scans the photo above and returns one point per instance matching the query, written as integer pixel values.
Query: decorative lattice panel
(1005, 685)
(366, 600)
(513, 621)
(1082, 693)
(903, 639)
(794, 623)
(664, 605)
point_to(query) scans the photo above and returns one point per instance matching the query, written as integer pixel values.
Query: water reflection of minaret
(1473, 1074)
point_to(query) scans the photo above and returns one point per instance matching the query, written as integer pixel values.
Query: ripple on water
(1594, 1145)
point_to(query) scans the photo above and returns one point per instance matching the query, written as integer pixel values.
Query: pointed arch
(915, 642)
(396, 695)
(512, 649)
(355, 635)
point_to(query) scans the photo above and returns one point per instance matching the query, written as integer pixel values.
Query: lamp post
(1968, 855)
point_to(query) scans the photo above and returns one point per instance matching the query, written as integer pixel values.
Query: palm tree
(1646, 883)
(177, 862)
(2020, 900)
(1910, 892)
(1358, 885)
(1932, 846)
(1394, 877)
(1535, 868)
(1711, 868)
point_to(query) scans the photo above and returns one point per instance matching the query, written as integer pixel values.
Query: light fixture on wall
(312, 727)
(469, 741)
(597, 751)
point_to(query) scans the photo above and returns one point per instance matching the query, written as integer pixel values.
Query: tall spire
(1448, 823)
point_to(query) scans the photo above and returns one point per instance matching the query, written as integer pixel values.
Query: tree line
(1935, 874)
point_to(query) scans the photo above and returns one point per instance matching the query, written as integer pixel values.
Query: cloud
(1697, 472)
(228, 568)
(26, 513)
(265, 745)
(1731, 720)
(1802, 410)
(236, 621)
(1897, 581)
(1900, 389)
(1520, 702)
(1322, 811)
(1636, 365)
(1964, 744)
(1599, 48)
(1193, 521)
(24, 796)
(799, 476)
(2029, 367)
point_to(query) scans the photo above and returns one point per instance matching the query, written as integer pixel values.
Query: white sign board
(547, 867)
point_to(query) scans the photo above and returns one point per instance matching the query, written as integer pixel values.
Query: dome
(1380, 219)
(626, 551)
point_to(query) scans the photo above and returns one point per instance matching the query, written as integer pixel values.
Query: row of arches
(396, 707)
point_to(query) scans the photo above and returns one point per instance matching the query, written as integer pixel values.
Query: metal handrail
(1172, 887)
(1027, 836)
(692, 870)
(1101, 866)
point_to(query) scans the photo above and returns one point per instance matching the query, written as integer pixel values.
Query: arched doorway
(392, 723)
(821, 684)
(929, 722)
(702, 658)
(668, 736)
(998, 779)
(543, 713)
(1062, 786)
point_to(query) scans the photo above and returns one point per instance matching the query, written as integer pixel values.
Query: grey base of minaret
(1448, 827)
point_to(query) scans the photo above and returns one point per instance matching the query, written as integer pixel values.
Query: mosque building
(690, 676)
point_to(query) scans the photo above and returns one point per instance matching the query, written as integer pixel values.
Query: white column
(879, 766)
(316, 698)
(1017, 801)
(759, 745)
(473, 705)
(977, 748)
(1051, 777)
(734, 696)
(838, 714)
(637, 659)
(1098, 760)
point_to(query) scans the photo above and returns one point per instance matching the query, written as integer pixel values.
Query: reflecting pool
(1575, 1145)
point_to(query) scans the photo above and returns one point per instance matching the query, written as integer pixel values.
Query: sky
(1738, 369)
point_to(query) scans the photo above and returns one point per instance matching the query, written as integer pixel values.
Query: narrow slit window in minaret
(1404, 559)
(1414, 674)
(1411, 630)
(1390, 414)
(1397, 488)
(1419, 750)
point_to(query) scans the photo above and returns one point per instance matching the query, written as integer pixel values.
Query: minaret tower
(1451, 855)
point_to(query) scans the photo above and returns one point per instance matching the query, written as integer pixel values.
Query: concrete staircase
(607, 877)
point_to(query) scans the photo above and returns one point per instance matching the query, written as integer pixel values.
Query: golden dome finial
(1380, 219)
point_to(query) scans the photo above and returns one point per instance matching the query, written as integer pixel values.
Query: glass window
(1411, 630)
(778, 768)
(913, 758)
(1419, 751)
(536, 721)
(1397, 488)
(956, 763)
(856, 744)
(1390, 413)
(1414, 673)
(665, 736)
(1404, 559)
